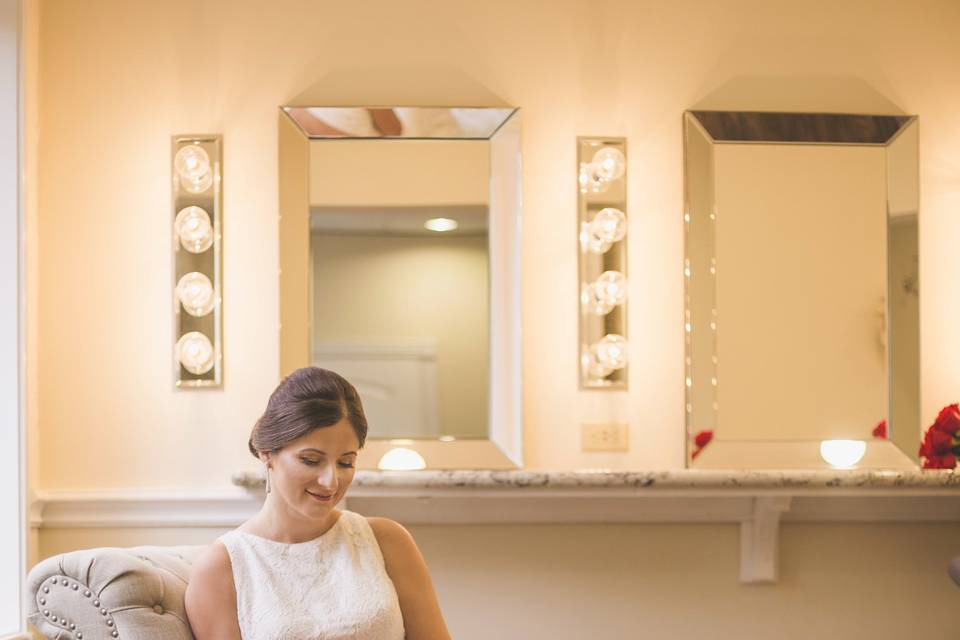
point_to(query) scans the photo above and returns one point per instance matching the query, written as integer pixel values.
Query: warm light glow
(194, 230)
(606, 356)
(590, 179)
(611, 163)
(401, 459)
(195, 353)
(608, 291)
(196, 294)
(842, 453)
(441, 224)
(192, 164)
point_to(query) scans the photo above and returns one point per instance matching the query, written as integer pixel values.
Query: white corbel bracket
(759, 540)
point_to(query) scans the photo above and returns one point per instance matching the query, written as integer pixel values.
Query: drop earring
(267, 472)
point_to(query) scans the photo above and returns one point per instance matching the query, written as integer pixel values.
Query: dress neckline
(289, 545)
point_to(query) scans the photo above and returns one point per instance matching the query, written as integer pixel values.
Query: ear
(265, 458)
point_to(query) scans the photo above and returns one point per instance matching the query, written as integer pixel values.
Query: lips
(321, 498)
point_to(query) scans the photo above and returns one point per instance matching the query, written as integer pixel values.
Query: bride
(301, 568)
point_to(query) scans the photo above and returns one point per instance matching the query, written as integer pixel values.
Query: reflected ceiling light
(400, 459)
(842, 454)
(610, 162)
(192, 226)
(605, 293)
(196, 294)
(195, 353)
(441, 224)
(447, 439)
(192, 164)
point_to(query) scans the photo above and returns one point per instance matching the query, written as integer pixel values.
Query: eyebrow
(346, 453)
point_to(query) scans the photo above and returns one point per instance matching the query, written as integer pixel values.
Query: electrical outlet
(605, 436)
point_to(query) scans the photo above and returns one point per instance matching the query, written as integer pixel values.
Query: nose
(327, 478)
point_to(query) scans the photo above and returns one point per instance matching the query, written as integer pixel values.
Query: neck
(277, 521)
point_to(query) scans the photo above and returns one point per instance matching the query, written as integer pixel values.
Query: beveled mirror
(400, 260)
(801, 290)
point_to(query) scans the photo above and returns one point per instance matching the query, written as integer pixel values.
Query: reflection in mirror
(398, 243)
(399, 248)
(801, 315)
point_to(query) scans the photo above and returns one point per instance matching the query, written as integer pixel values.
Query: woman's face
(312, 473)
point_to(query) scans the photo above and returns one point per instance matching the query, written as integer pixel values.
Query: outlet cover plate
(604, 436)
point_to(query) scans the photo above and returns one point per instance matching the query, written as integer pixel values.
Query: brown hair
(309, 398)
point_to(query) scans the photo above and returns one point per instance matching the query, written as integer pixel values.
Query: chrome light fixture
(196, 171)
(602, 231)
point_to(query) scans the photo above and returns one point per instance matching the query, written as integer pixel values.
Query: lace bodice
(328, 588)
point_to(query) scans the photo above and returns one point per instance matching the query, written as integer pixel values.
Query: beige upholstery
(93, 594)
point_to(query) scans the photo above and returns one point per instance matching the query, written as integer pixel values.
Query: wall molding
(758, 513)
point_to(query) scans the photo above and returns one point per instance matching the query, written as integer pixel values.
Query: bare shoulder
(392, 536)
(211, 596)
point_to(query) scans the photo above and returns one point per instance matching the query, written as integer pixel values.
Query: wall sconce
(602, 231)
(197, 301)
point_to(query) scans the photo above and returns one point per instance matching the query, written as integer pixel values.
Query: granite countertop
(667, 479)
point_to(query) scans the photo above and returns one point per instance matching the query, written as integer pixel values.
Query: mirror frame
(785, 128)
(503, 446)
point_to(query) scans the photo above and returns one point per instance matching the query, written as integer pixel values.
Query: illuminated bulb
(196, 294)
(441, 224)
(195, 353)
(447, 439)
(193, 166)
(400, 459)
(610, 162)
(193, 227)
(590, 179)
(842, 453)
(606, 355)
(607, 227)
(609, 290)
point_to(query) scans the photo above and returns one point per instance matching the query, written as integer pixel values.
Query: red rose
(948, 461)
(949, 420)
(936, 443)
(703, 438)
(880, 431)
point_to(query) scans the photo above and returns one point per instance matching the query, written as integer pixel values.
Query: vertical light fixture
(197, 350)
(602, 232)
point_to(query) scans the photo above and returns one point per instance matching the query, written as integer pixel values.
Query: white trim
(759, 513)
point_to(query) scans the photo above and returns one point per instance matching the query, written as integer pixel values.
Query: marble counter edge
(681, 479)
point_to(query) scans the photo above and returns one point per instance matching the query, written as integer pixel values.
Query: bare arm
(406, 567)
(211, 597)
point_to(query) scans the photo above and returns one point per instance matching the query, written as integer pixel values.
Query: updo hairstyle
(309, 398)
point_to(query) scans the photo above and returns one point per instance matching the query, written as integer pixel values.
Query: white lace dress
(331, 587)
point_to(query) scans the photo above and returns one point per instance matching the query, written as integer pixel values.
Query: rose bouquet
(941, 442)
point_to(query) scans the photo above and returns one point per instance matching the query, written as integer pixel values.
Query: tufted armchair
(106, 593)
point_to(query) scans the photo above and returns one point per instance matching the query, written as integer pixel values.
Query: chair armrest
(109, 592)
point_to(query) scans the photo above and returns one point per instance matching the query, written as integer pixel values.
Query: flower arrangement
(941, 442)
(701, 440)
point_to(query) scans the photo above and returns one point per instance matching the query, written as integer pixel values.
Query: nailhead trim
(61, 621)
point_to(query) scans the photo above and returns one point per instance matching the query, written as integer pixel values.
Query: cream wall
(117, 79)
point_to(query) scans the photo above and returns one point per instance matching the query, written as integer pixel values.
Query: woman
(301, 569)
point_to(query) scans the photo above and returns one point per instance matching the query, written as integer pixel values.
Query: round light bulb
(590, 179)
(842, 454)
(196, 294)
(401, 459)
(594, 368)
(441, 224)
(606, 292)
(192, 226)
(609, 225)
(192, 164)
(195, 353)
(611, 163)
(606, 355)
